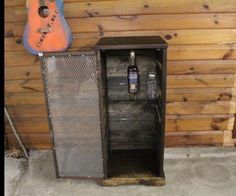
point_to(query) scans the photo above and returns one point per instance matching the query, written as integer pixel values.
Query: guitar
(46, 29)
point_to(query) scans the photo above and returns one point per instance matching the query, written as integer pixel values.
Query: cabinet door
(72, 97)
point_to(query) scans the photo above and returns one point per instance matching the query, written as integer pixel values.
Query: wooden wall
(201, 77)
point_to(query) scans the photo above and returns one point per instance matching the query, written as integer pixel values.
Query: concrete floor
(189, 171)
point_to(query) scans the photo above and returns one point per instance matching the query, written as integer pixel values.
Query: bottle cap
(152, 74)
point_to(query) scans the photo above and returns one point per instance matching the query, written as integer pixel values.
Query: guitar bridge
(44, 30)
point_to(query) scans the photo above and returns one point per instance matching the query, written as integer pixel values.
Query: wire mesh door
(71, 90)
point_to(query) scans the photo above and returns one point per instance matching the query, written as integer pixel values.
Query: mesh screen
(73, 104)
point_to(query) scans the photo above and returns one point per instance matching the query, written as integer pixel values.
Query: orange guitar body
(46, 29)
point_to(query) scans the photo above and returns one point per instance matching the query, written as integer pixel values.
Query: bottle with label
(133, 76)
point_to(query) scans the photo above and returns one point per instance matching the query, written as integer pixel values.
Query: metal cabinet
(97, 129)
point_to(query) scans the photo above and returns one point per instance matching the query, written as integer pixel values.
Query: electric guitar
(46, 29)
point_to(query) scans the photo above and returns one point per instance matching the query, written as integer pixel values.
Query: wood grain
(220, 107)
(27, 98)
(201, 63)
(202, 94)
(22, 72)
(197, 122)
(28, 126)
(201, 67)
(123, 7)
(177, 139)
(202, 52)
(197, 36)
(23, 86)
(21, 58)
(201, 81)
(141, 22)
(27, 111)
(31, 141)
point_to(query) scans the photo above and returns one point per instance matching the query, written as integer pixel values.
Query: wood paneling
(23, 86)
(201, 81)
(29, 126)
(202, 94)
(20, 58)
(220, 107)
(203, 52)
(122, 7)
(27, 111)
(214, 138)
(33, 98)
(31, 141)
(201, 63)
(178, 123)
(142, 22)
(201, 67)
(198, 36)
(22, 73)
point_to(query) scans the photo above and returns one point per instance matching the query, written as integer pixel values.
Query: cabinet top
(131, 42)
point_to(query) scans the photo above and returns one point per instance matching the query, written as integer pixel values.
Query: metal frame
(99, 64)
(161, 136)
(48, 115)
(73, 53)
(163, 91)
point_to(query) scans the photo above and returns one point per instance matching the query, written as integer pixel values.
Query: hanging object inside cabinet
(46, 29)
(133, 76)
(153, 89)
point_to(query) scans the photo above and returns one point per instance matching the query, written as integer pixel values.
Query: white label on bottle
(132, 86)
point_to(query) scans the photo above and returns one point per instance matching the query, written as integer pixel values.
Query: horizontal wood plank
(22, 72)
(27, 111)
(198, 36)
(198, 123)
(220, 107)
(202, 52)
(14, 3)
(28, 126)
(201, 81)
(28, 98)
(24, 86)
(214, 138)
(123, 7)
(21, 59)
(31, 141)
(201, 67)
(139, 22)
(202, 94)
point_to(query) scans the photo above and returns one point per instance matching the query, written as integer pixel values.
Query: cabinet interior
(133, 125)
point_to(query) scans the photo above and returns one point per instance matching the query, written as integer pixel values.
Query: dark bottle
(133, 77)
